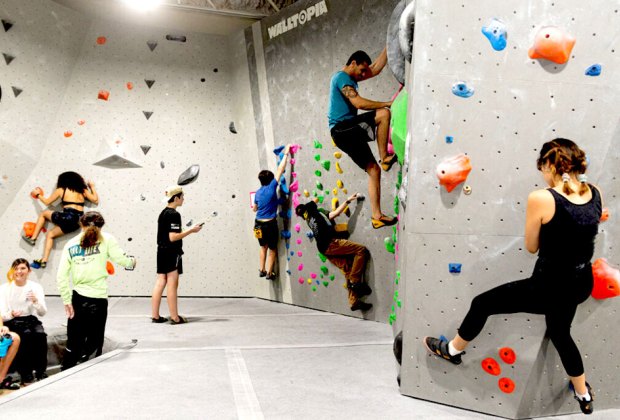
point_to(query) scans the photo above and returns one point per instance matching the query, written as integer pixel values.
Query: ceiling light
(143, 5)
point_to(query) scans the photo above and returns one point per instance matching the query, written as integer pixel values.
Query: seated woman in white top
(21, 301)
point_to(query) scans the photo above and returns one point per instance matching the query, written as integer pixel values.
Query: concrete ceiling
(221, 17)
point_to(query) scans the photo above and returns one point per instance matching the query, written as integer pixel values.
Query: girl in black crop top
(561, 225)
(73, 192)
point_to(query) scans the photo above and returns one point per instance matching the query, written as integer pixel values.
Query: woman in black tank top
(561, 225)
(73, 192)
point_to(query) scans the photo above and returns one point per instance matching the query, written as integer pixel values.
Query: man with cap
(169, 251)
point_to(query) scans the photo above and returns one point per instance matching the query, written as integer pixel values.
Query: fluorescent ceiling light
(143, 5)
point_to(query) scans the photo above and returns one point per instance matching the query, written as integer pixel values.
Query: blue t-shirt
(340, 109)
(267, 200)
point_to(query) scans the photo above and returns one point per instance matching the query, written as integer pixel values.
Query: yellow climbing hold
(337, 155)
(335, 191)
(306, 193)
(339, 183)
(335, 203)
(345, 191)
(309, 281)
(338, 168)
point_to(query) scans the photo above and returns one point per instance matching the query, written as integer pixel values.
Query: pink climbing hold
(298, 241)
(300, 267)
(313, 275)
(292, 161)
(301, 280)
(294, 174)
(294, 186)
(295, 201)
(294, 148)
(299, 253)
(297, 228)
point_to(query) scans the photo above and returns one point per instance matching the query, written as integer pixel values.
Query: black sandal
(8, 383)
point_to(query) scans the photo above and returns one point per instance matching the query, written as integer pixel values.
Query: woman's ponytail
(93, 222)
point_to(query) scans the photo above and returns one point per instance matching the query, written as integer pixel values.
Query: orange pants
(350, 258)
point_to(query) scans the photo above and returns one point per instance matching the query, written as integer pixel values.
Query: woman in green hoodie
(84, 259)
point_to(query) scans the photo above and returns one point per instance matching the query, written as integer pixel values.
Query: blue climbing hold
(288, 272)
(309, 234)
(286, 234)
(454, 268)
(461, 89)
(287, 245)
(495, 32)
(283, 186)
(594, 70)
(285, 214)
(449, 139)
(292, 253)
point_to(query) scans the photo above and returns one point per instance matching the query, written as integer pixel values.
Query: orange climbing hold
(506, 385)
(36, 192)
(453, 171)
(490, 366)
(101, 40)
(103, 95)
(553, 44)
(29, 228)
(604, 215)
(129, 85)
(606, 280)
(508, 355)
(68, 134)
(110, 268)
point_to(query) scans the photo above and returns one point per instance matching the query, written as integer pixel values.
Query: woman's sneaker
(587, 407)
(440, 349)
(8, 383)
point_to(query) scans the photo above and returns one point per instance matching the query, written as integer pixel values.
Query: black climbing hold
(194, 141)
(129, 239)
(147, 114)
(145, 148)
(152, 45)
(189, 175)
(203, 80)
(149, 83)
(8, 58)
(232, 128)
(16, 91)
(215, 70)
(233, 196)
(7, 25)
(177, 38)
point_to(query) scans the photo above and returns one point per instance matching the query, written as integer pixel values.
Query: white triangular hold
(114, 154)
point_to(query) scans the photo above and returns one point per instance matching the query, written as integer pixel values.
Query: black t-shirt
(169, 221)
(321, 226)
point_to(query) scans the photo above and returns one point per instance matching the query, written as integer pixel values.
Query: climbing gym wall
(140, 107)
(486, 99)
(292, 57)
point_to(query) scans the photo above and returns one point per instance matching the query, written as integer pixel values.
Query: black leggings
(32, 352)
(553, 291)
(85, 331)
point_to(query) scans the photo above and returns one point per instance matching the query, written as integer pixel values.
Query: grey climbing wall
(298, 64)
(198, 88)
(518, 103)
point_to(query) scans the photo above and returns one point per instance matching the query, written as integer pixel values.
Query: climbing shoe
(383, 221)
(262, 273)
(28, 239)
(360, 288)
(8, 383)
(440, 349)
(587, 407)
(38, 264)
(271, 276)
(361, 306)
(182, 320)
(159, 320)
(386, 164)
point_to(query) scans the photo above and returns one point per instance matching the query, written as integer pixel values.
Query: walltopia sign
(298, 19)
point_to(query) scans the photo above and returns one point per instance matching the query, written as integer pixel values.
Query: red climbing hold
(604, 215)
(36, 192)
(506, 385)
(103, 95)
(606, 280)
(508, 355)
(109, 267)
(101, 40)
(81, 122)
(68, 134)
(454, 170)
(129, 85)
(490, 366)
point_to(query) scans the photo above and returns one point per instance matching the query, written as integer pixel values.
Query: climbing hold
(319, 186)
(189, 175)
(322, 257)
(335, 191)
(300, 267)
(145, 148)
(453, 170)
(129, 85)
(462, 90)
(317, 157)
(317, 173)
(313, 275)
(337, 155)
(292, 253)
(149, 83)
(283, 187)
(287, 245)
(151, 44)
(142, 197)
(325, 283)
(508, 355)
(298, 241)
(101, 40)
(109, 268)
(309, 281)
(344, 191)
(389, 245)
(286, 234)
(324, 270)
(179, 38)
(306, 193)
(405, 30)
(398, 124)
(332, 277)
(395, 56)
(321, 198)
(326, 164)
(338, 168)
(317, 144)
(309, 234)
(8, 58)
(36, 192)
(553, 44)
(454, 268)
(29, 228)
(604, 215)
(6, 24)
(495, 31)
(491, 367)
(294, 174)
(339, 183)
(16, 91)
(294, 148)
(301, 280)
(147, 114)
(506, 385)
(449, 139)
(162, 164)
(466, 189)
(294, 186)
(606, 280)
(103, 95)
(81, 122)
(335, 203)
(231, 127)
(68, 134)
(594, 70)
(297, 227)
(299, 253)
(314, 288)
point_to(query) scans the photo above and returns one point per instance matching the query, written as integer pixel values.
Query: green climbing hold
(396, 294)
(326, 164)
(396, 205)
(314, 193)
(332, 277)
(324, 269)
(322, 257)
(399, 182)
(398, 274)
(317, 157)
(317, 144)
(325, 283)
(394, 237)
(389, 245)
(396, 281)
(326, 192)
(320, 198)
(321, 275)
(317, 173)
(398, 303)
(314, 288)
(319, 186)
(399, 124)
